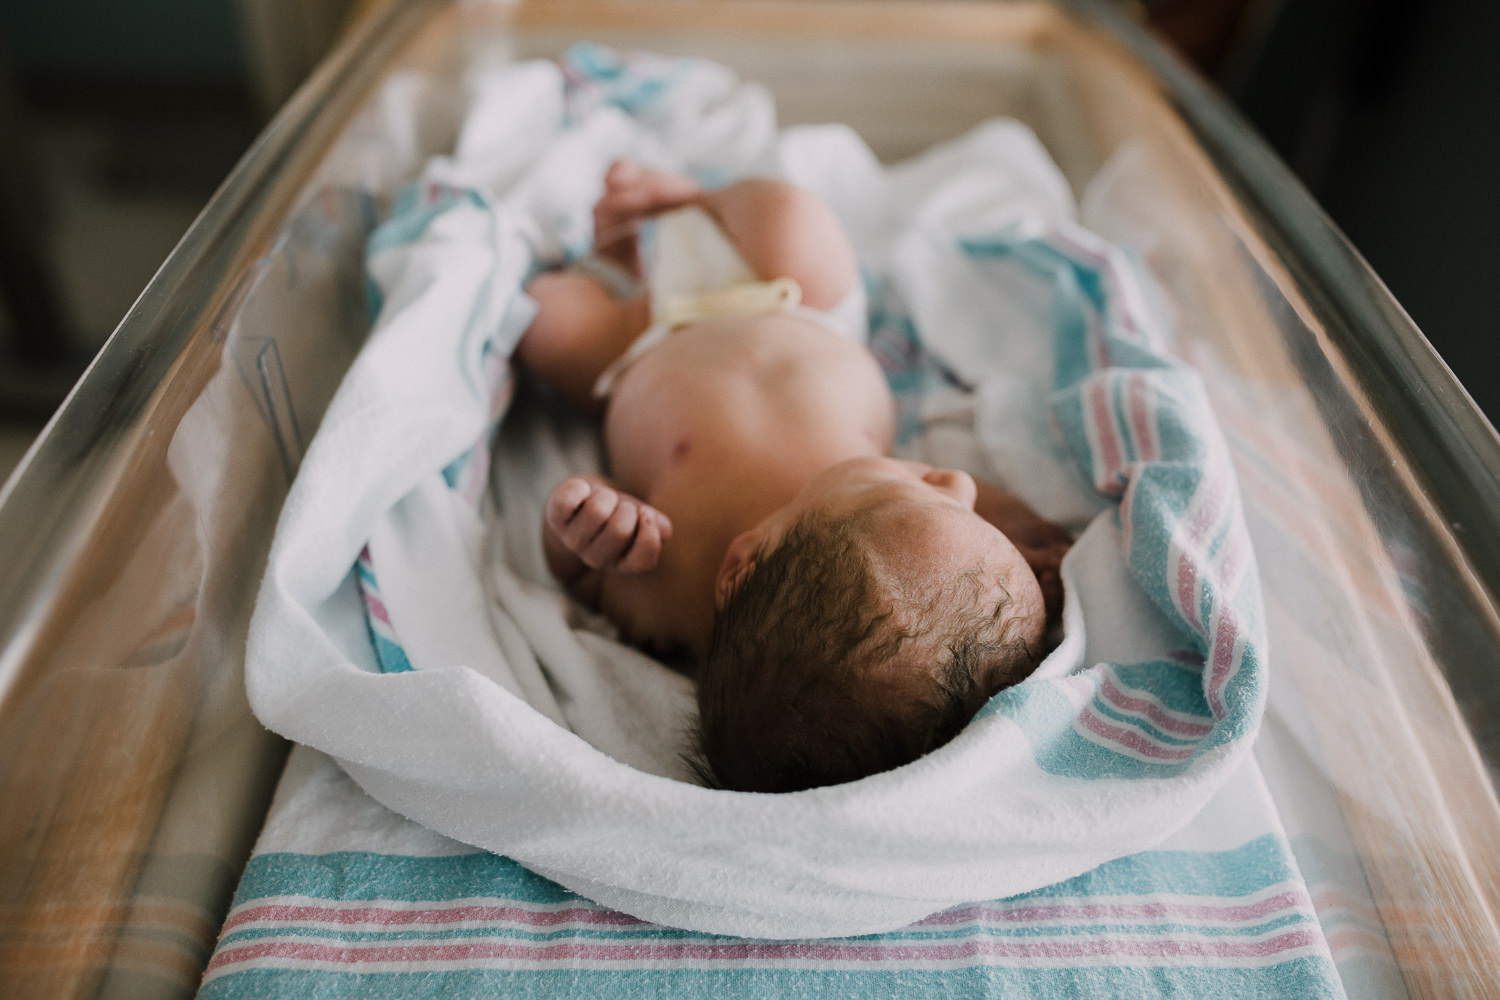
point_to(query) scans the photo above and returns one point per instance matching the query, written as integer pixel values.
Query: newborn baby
(847, 611)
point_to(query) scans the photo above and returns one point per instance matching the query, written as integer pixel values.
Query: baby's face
(924, 531)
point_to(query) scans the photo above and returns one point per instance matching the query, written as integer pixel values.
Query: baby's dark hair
(814, 678)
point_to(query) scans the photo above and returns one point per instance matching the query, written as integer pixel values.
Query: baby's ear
(739, 560)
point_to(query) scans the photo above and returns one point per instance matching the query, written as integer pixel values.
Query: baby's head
(860, 627)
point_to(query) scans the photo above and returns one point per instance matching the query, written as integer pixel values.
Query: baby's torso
(729, 393)
(720, 425)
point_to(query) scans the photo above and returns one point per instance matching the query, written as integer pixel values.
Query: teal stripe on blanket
(1160, 923)
(1300, 978)
(360, 875)
(391, 657)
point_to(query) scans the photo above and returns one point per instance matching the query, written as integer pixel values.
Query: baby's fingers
(615, 533)
(652, 530)
(588, 521)
(565, 500)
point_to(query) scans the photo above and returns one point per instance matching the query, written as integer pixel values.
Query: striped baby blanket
(345, 899)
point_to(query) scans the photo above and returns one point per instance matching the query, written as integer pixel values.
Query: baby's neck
(713, 503)
(770, 476)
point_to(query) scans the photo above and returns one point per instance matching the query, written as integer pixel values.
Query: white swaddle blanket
(406, 625)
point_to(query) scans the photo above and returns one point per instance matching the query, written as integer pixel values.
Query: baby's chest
(716, 402)
(655, 425)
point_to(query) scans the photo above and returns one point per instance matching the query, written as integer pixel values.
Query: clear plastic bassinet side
(133, 777)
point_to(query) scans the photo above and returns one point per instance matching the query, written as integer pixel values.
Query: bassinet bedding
(346, 899)
(986, 292)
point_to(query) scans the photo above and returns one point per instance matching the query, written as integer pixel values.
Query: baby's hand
(606, 528)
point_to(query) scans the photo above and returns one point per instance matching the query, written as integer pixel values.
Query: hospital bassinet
(133, 778)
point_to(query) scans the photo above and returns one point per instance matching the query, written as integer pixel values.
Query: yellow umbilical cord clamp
(748, 298)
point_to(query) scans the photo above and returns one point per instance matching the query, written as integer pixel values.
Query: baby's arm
(578, 330)
(591, 527)
(781, 230)
(1041, 543)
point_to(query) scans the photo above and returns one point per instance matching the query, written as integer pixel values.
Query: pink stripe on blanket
(1260, 910)
(1109, 476)
(1187, 587)
(1142, 420)
(391, 916)
(1224, 662)
(1130, 738)
(678, 954)
(437, 915)
(376, 608)
(1159, 716)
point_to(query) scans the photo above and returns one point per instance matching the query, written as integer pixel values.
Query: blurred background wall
(118, 118)
(1390, 114)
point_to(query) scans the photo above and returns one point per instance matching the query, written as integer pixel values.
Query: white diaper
(695, 273)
